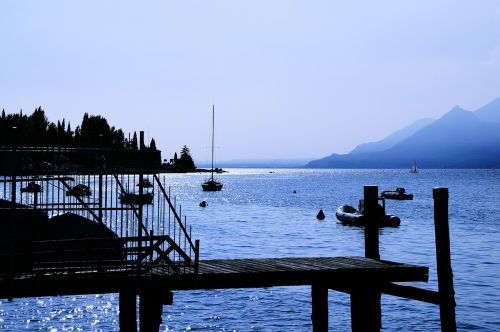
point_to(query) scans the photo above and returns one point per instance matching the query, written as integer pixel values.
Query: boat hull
(79, 190)
(397, 196)
(211, 186)
(136, 199)
(349, 216)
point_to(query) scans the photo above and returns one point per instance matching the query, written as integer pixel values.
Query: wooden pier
(153, 260)
(337, 273)
(330, 272)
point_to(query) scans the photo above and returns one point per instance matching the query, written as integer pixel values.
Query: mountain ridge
(458, 139)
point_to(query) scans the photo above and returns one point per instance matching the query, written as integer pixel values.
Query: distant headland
(92, 144)
(459, 139)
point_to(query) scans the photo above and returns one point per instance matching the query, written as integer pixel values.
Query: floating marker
(321, 215)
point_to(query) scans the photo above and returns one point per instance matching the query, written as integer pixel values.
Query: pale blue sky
(288, 78)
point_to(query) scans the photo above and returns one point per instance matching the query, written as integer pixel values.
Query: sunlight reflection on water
(258, 215)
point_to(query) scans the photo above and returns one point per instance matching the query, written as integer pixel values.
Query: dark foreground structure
(101, 244)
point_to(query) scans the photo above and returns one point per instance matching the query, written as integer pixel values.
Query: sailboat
(211, 184)
(414, 167)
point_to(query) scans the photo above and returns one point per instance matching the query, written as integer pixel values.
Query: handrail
(172, 208)
(97, 251)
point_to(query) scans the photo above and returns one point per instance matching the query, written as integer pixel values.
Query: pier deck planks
(216, 274)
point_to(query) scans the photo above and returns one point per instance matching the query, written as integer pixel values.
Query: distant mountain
(459, 139)
(393, 138)
(490, 112)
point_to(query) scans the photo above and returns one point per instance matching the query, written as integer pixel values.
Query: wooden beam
(410, 292)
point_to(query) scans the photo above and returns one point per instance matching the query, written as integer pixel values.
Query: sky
(289, 79)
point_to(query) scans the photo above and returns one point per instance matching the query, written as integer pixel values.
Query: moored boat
(145, 183)
(79, 190)
(212, 184)
(414, 167)
(350, 216)
(136, 199)
(398, 193)
(32, 187)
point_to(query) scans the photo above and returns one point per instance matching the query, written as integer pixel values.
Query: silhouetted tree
(38, 125)
(135, 146)
(185, 162)
(69, 136)
(95, 131)
(152, 145)
(118, 139)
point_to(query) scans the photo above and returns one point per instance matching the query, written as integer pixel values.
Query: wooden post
(141, 206)
(12, 222)
(100, 197)
(443, 257)
(366, 309)
(371, 222)
(196, 256)
(319, 315)
(128, 315)
(151, 308)
(13, 166)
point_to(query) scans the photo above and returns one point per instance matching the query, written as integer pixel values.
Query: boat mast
(213, 130)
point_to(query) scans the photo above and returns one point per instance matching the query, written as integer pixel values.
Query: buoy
(321, 215)
(295, 191)
(203, 204)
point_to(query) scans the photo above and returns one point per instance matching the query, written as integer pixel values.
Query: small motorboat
(399, 194)
(145, 183)
(79, 190)
(350, 216)
(32, 187)
(136, 199)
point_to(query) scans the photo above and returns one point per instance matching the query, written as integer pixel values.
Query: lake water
(258, 215)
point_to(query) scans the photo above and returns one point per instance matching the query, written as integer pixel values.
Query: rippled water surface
(258, 215)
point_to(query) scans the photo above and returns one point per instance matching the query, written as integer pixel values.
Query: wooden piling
(366, 311)
(100, 198)
(140, 207)
(443, 257)
(319, 315)
(365, 308)
(12, 229)
(371, 224)
(151, 308)
(128, 315)
(13, 166)
(196, 256)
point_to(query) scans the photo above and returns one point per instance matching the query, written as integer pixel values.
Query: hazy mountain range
(459, 139)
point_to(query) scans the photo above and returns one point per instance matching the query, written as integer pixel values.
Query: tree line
(37, 131)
